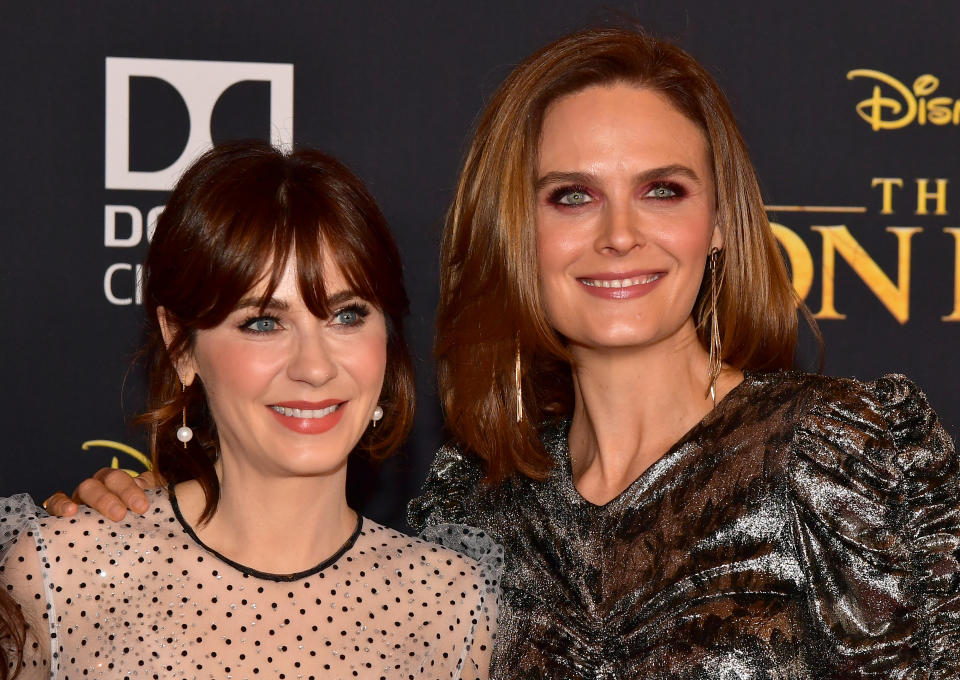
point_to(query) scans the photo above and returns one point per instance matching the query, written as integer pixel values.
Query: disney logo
(904, 105)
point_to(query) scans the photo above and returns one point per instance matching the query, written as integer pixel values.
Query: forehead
(288, 286)
(619, 125)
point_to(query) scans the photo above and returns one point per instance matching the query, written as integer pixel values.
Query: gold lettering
(798, 255)
(955, 314)
(896, 298)
(938, 111)
(124, 448)
(923, 196)
(925, 85)
(905, 105)
(887, 183)
(872, 109)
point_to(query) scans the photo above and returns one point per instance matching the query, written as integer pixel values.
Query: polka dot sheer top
(144, 598)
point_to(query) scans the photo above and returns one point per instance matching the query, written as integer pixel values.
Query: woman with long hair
(275, 306)
(672, 499)
(615, 338)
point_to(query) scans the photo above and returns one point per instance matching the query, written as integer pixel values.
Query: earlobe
(184, 365)
(716, 239)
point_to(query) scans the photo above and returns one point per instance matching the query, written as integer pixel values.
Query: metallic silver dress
(808, 527)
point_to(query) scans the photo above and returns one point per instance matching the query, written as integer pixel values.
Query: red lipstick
(303, 417)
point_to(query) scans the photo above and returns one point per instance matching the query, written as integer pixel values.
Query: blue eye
(570, 195)
(665, 191)
(261, 324)
(352, 315)
(347, 317)
(575, 198)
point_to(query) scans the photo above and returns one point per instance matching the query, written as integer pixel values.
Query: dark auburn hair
(13, 634)
(232, 222)
(490, 296)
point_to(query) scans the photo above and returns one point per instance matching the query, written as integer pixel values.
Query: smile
(305, 417)
(620, 283)
(304, 412)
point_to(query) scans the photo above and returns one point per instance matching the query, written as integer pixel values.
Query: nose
(311, 361)
(620, 228)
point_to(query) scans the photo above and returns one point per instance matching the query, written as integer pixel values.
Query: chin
(619, 338)
(311, 461)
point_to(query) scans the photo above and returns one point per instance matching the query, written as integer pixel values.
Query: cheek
(557, 247)
(688, 242)
(550, 260)
(365, 358)
(236, 369)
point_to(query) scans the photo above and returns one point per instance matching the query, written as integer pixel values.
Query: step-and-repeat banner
(851, 111)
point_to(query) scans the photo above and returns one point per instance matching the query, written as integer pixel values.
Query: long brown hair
(234, 218)
(490, 306)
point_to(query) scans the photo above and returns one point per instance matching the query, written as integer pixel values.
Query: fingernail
(140, 505)
(116, 511)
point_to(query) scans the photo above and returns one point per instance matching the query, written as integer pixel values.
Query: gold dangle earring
(518, 385)
(716, 360)
(184, 434)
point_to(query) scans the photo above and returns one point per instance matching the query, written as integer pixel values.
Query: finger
(125, 487)
(94, 493)
(150, 480)
(60, 505)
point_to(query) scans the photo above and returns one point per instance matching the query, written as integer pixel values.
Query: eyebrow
(639, 178)
(281, 305)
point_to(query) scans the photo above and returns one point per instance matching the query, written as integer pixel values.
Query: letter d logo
(200, 84)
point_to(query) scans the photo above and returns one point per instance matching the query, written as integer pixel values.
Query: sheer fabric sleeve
(450, 492)
(447, 513)
(877, 522)
(485, 605)
(25, 576)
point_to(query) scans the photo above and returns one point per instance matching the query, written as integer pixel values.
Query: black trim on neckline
(263, 574)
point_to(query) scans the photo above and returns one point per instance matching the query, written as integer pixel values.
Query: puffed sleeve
(877, 523)
(25, 576)
(448, 513)
(476, 544)
(450, 493)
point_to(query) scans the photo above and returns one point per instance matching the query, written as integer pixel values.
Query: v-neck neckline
(655, 471)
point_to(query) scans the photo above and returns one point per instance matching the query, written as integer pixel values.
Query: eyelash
(358, 308)
(556, 196)
(678, 190)
(245, 324)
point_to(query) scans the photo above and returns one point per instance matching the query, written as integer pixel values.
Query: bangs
(313, 225)
(258, 209)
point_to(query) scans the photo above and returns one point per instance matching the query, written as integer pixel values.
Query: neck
(632, 405)
(279, 525)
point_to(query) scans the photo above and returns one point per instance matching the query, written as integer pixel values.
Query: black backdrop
(393, 89)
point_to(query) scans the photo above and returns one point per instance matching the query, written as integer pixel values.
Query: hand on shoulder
(110, 492)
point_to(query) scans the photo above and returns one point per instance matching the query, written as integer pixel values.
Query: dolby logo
(162, 113)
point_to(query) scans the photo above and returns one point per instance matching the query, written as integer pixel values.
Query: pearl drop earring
(184, 433)
(377, 415)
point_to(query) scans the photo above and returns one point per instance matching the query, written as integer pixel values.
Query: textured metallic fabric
(808, 527)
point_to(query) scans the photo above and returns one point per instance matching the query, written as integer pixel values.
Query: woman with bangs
(615, 338)
(275, 304)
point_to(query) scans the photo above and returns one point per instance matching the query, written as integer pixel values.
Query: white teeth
(621, 283)
(305, 412)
